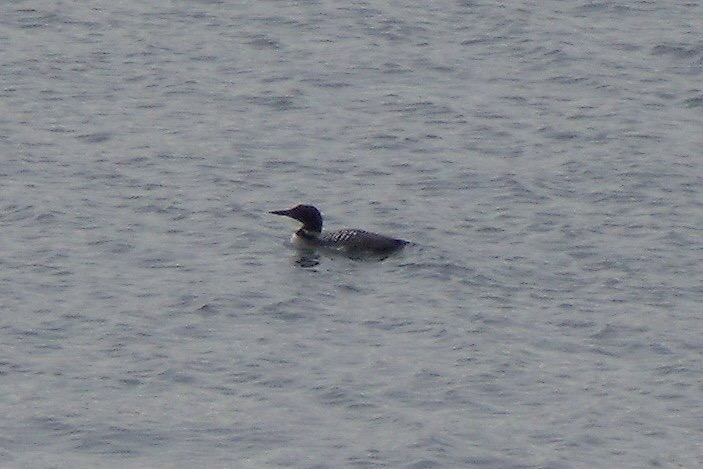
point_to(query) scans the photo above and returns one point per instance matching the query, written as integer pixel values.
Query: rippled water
(545, 158)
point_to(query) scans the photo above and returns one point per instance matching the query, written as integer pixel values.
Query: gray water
(544, 157)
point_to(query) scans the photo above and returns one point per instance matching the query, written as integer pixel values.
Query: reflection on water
(308, 260)
(311, 258)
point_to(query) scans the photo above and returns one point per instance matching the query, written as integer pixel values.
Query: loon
(352, 241)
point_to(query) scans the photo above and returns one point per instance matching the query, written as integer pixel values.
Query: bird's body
(352, 241)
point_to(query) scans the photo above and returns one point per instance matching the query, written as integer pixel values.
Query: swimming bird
(351, 241)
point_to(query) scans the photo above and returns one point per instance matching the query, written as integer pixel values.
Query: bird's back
(354, 240)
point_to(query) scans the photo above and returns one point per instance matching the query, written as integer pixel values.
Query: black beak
(285, 213)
